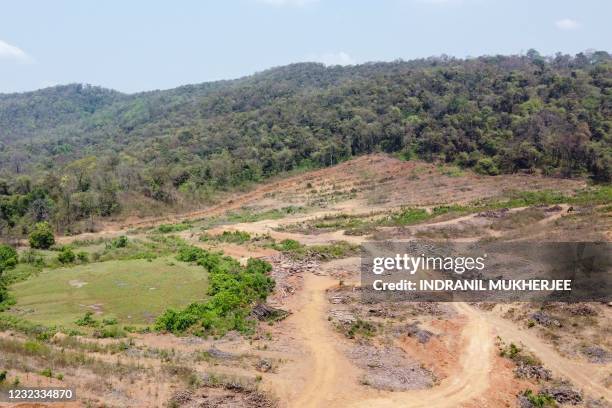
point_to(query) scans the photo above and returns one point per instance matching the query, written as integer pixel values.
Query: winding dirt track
(332, 380)
(472, 381)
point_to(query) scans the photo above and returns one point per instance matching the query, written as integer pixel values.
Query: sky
(142, 45)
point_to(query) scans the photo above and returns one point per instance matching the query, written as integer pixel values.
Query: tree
(41, 236)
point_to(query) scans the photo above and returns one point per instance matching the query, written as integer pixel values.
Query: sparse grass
(296, 250)
(248, 215)
(234, 237)
(168, 228)
(519, 219)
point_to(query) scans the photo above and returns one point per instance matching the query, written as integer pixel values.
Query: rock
(181, 397)
(342, 316)
(216, 353)
(263, 365)
(263, 312)
(545, 320)
(501, 213)
(413, 330)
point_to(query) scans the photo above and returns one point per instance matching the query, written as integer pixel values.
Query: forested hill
(79, 150)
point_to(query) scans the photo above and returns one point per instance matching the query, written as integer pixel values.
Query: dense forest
(75, 152)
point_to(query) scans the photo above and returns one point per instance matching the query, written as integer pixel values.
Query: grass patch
(168, 228)
(132, 291)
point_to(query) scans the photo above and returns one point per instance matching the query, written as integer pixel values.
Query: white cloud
(567, 24)
(11, 52)
(292, 3)
(333, 58)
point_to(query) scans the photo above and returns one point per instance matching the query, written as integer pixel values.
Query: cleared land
(332, 349)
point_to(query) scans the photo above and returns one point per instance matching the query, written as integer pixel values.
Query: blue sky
(143, 45)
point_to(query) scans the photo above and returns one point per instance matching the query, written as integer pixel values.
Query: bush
(41, 236)
(119, 242)
(233, 290)
(47, 373)
(87, 320)
(66, 256)
(8, 257)
(83, 256)
(539, 400)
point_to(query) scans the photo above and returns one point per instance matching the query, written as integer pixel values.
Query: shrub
(112, 332)
(47, 373)
(66, 256)
(3, 375)
(539, 400)
(83, 256)
(119, 242)
(87, 320)
(41, 236)
(8, 257)
(232, 291)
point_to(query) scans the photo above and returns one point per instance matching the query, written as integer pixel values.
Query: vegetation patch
(296, 250)
(232, 292)
(168, 228)
(233, 237)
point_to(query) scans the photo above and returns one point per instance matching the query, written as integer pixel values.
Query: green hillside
(72, 152)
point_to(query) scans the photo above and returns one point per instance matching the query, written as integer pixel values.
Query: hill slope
(71, 152)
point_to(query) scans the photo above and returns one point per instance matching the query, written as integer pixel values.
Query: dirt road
(323, 376)
(454, 391)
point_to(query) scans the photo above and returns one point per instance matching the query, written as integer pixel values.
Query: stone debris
(563, 394)
(536, 372)
(580, 309)
(342, 316)
(597, 355)
(501, 213)
(216, 353)
(388, 368)
(545, 320)
(339, 299)
(554, 208)
(413, 330)
(181, 398)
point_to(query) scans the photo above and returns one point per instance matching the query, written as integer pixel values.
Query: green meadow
(132, 291)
